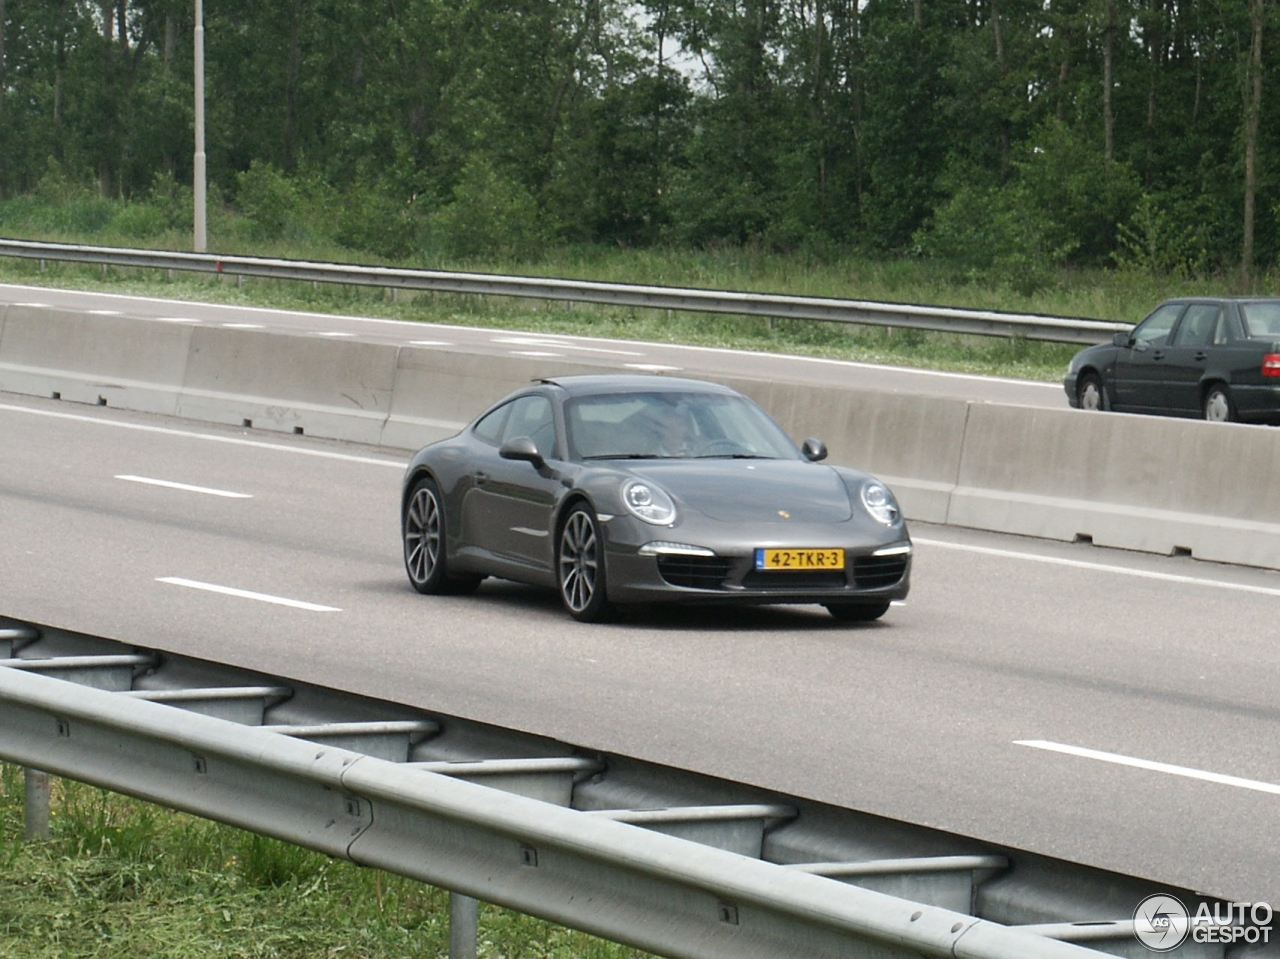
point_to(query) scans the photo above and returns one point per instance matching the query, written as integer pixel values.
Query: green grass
(1111, 295)
(123, 878)
(977, 354)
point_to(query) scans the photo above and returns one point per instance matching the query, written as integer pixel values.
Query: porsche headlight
(647, 502)
(880, 502)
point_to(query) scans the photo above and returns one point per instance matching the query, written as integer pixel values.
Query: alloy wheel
(422, 535)
(579, 561)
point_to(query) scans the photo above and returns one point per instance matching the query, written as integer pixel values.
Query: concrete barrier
(106, 359)
(911, 442)
(438, 391)
(1136, 482)
(316, 385)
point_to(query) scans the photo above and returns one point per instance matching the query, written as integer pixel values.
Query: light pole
(198, 186)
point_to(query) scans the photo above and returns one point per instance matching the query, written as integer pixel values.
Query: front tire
(858, 612)
(423, 531)
(1091, 394)
(580, 567)
(1218, 407)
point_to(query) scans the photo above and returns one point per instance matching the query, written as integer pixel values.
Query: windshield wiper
(629, 456)
(735, 456)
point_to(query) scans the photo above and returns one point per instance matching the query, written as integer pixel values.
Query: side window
(531, 416)
(1154, 330)
(1198, 325)
(490, 427)
(1229, 330)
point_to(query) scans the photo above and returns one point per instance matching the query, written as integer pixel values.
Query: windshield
(665, 425)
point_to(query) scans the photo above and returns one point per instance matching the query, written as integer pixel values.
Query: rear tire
(858, 612)
(1218, 407)
(423, 531)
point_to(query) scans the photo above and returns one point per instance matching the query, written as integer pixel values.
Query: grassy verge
(1101, 294)
(123, 878)
(975, 354)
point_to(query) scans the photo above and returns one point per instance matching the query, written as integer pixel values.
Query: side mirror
(1123, 338)
(522, 448)
(815, 451)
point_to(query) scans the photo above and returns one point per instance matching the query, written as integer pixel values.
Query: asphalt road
(923, 717)
(653, 357)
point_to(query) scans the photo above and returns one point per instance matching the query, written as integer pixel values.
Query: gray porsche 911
(624, 489)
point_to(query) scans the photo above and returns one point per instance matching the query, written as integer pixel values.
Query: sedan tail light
(1271, 364)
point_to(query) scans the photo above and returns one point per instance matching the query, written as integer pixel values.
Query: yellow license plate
(799, 559)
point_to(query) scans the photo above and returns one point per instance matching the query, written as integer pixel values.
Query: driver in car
(666, 429)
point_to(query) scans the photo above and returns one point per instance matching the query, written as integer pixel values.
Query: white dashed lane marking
(168, 484)
(1167, 768)
(247, 594)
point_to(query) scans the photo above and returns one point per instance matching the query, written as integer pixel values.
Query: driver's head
(674, 425)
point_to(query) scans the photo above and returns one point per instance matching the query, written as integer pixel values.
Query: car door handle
(1202, 355)
(1158, 355)
(480, 477)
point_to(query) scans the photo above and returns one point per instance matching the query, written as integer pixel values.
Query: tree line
(1011, 134)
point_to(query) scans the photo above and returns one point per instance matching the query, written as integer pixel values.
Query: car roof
(1261, 298)
(586, 384)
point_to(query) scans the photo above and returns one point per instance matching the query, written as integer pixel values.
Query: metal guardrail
(668, 861)
(1052, 329)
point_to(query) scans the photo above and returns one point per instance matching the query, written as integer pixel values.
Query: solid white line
(533, 353)
(164, 431)
(1101, 567)
(183, 486)
(1185, 771)
(247, 594)
(243, 326)
(563, 343)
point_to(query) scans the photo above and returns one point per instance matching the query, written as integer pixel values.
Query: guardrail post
(36, 808)
(464, 926)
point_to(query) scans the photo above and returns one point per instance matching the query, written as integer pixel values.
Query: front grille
(695, 572)
(794, 579)
(878, 572)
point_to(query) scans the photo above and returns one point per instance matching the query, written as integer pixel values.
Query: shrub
(1081, 195)
(490, 214)
(1159, 242)
(268, 198)
(1000, 232)
(371, 219)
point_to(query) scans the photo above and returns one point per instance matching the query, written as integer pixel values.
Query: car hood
(1101, 354)
(754, 491)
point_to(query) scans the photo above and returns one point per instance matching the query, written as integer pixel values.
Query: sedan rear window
(1262, 319)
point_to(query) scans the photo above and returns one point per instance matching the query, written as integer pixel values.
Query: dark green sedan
(1216, 358)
